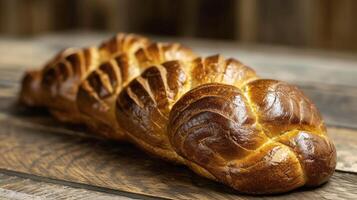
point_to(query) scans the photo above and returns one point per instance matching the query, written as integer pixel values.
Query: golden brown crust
(228, 134)
(281, 107)
(97, 94)
(61, 80)
(217, 69)
(316, 153)
(273, 168)
(31, 92)
(211, 114)
(144, 105)
(120, 43)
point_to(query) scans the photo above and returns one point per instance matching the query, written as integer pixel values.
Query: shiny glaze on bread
(213, 114)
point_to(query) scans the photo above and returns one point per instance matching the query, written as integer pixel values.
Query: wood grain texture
(17, 187)
(22, 186)
(346, 144)
(337, 104)
(33, 144)
(95, 162)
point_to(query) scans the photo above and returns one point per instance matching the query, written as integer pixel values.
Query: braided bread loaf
(212, 114)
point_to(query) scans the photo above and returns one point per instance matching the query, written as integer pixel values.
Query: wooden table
(41, 158)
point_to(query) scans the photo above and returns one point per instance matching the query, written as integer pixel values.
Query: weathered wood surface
(37, 148)
(30, 188)
(29, 147)
(25, 187)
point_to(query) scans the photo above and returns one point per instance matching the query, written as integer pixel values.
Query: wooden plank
(95, 162)
(16, 187)
(19, 186)
(118, 166)
(246, 20)
(341, 186)
(346, 144)
(337, 104)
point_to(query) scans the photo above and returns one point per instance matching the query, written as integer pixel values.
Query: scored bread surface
(212, 114)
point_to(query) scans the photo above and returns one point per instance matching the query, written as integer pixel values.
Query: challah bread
(212, 114)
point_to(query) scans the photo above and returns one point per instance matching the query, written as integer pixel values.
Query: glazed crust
(272, 144)
(212, 114)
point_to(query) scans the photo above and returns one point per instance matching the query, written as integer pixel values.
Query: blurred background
(320, 24)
